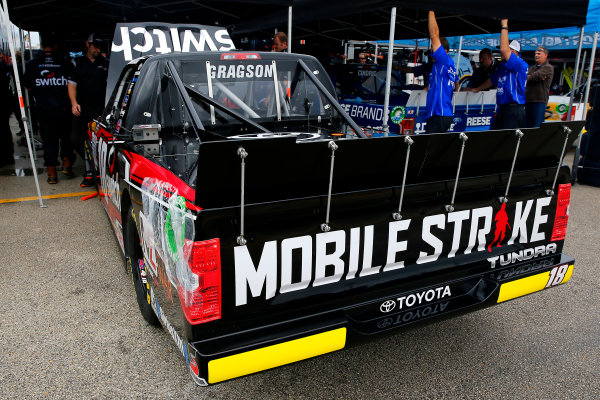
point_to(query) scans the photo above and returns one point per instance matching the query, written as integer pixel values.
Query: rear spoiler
(279, 169)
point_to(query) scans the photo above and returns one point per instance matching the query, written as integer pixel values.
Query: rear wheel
(135, 264)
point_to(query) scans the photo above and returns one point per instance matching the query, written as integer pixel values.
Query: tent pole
(388, 75)
(289, 48)
(376, 52)
(585, 100)
(575, 74)
(581, 70)
(11, 45)
(27, 105)
(458, 58)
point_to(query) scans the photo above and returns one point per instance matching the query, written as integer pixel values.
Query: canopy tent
(335, 19)
(311, 17)
(566, 38)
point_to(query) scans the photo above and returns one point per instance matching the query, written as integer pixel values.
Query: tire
(135, 264)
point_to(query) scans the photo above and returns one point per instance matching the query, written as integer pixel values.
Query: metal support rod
(376, 52)
(566, 130)
(519, 135)
(11, 46)
(325, 227)
(241, 152)
(398, 215)
(289, 34)
(276, 84)
(590, 70)
(388, 74)
(481, 112)
(210, 92)
(575, 74)
(464, 138)
(345, 52)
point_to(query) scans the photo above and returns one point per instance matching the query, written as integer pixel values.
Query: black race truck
(262, 228)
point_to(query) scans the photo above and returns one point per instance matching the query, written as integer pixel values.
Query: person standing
(442, 81)
(539, 79)
(510, 78)
(280, 42)
(46, 78)
(6, 102)
(87, 88)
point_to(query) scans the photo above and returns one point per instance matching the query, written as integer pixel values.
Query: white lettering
(323, 259)
(476, 233)
(394, 246)
(429, 221)
(539, 219)
(304, 243)
(246, 275)
(520, 222)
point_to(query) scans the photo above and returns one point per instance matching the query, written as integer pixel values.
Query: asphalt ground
(70, 327)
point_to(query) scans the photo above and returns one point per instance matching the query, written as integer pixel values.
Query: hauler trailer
(262, 228)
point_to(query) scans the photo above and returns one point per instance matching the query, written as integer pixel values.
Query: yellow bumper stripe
(276, 355)
(531, 284)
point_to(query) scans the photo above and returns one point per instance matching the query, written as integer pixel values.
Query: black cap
(95, 40)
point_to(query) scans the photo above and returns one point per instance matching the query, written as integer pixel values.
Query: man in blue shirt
(510, 78)
(442, 80)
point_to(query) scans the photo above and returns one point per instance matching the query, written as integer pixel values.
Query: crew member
(510, 78)
(487, 66)
(539, 79)
(87, 87)
(6, 101)
(280, 41)
(46, 77)
(442, 81)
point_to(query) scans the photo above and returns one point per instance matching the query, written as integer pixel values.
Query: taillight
(202, 301)
(408, 126)
(559, 230)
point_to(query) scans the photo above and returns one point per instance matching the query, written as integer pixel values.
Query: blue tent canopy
(553, 39)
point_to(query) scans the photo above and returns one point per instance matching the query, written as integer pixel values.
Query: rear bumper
(247, 352)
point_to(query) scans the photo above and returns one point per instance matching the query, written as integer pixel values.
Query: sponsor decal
(522, 255)
(149, 40)
(479, 121)
(109, 183)
(387, 306)
(331, 257)
(416, 299)
(366, 72)
(371, 112)
(397, 114)
(238, 71)
(51, 80)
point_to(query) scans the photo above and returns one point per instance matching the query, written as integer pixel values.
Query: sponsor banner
(137, 39)
(501, 235)
(371, 115)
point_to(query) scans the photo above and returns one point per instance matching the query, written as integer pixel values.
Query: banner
(137, 39)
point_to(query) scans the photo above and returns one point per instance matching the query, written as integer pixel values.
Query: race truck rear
(262, 228)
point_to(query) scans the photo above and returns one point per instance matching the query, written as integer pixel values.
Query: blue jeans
(534, 114)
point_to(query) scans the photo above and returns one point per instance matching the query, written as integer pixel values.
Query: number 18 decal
(557, 274)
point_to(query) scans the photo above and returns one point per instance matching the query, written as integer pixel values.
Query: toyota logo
(387, 306)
